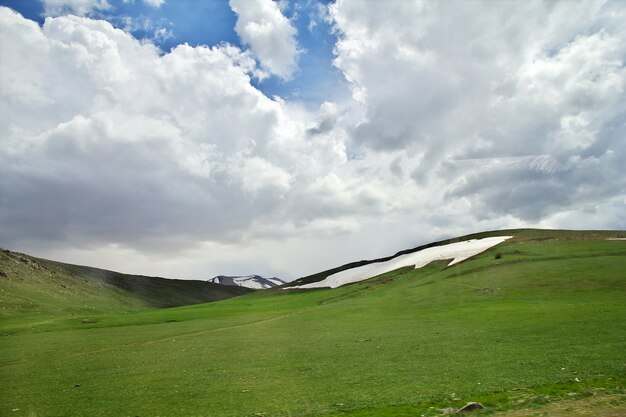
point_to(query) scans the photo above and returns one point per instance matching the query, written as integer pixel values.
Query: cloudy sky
(187, 139)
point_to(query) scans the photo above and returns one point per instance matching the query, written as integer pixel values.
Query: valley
(533, 322)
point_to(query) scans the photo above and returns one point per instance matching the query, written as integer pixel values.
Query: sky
(188, 139)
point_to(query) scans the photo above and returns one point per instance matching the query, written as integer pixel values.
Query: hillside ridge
(32, 283)
(563, 234)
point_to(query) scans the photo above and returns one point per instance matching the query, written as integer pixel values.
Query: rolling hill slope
(524, 234)
(33, 285)
(536, 321)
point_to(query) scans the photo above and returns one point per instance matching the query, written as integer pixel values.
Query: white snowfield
(255, 282)
(276, 281)
(456, 251)
(250, 282)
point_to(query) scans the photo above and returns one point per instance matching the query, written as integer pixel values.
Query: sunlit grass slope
(538, 318)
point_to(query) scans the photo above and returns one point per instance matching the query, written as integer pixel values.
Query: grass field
(530, 324)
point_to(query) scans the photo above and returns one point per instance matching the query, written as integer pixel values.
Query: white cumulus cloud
(270, 35)
(464, 116)
(520, 80)
(151, 149)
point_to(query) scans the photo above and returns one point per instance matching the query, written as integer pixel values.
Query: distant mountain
(256, 282)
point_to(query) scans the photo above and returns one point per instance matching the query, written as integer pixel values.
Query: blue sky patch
(212, 22)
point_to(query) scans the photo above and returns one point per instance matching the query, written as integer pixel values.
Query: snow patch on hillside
(456, 251)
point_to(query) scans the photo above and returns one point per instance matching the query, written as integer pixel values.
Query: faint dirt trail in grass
(596, 406)
(184, 335)
(158, 340)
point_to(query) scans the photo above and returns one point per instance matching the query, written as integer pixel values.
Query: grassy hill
(535, 324)
(32, 286)
(521, 233)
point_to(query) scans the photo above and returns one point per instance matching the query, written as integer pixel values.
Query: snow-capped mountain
(256, 282)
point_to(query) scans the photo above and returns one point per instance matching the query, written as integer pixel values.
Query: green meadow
(537, 320)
